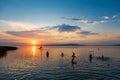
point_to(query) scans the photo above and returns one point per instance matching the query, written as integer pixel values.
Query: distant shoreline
(55, 45)
(78, 45)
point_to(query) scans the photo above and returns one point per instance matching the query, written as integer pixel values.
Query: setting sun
(34, 42)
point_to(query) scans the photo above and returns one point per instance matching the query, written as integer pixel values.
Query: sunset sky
(60, 21)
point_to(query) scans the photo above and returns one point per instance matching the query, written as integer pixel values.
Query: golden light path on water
(33, 50)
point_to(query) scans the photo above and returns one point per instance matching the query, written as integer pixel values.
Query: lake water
(31, 63)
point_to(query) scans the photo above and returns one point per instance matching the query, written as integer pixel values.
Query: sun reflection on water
(33, 50)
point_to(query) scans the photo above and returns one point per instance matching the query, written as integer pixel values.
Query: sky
(94, 22)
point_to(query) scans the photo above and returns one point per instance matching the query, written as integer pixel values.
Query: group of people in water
(90, 57)
(62, 55)
(73, 57)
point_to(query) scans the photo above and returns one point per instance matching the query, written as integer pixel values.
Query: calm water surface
(31, 63)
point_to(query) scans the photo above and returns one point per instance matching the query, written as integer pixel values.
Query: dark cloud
(62, 28)
(66, 28)
(87, 33)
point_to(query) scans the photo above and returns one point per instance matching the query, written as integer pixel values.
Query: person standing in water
(73, 55)
(62, 54)
(47, 54)
(90, 57)
(73, 60)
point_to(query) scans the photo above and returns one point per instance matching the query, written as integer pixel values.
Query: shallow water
(31, 63)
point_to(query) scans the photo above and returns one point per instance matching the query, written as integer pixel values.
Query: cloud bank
(87, 33)
(86, 21)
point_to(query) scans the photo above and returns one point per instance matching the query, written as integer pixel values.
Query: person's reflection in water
(90, 58)
(72, 61)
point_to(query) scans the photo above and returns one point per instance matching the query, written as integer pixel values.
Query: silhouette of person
(73, 55)
(47, 54)
(90, 58)
(102, 57)
(62, 54)
(73, 62)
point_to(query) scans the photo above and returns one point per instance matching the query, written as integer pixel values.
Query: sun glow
(34, 42)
